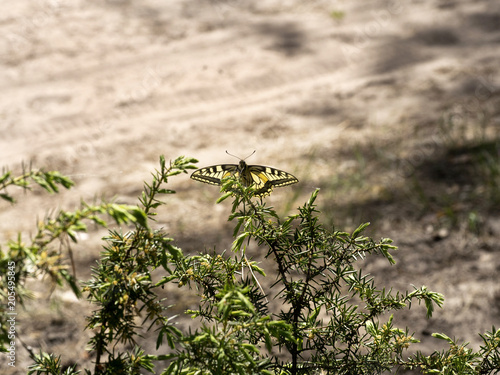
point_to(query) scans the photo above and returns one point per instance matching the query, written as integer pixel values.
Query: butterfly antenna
(234, 156)
(240, 158)
(250, 155)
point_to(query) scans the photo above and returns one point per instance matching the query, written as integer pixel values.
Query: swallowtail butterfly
(263, 178)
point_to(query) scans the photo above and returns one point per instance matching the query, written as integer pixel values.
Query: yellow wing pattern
(263, 178)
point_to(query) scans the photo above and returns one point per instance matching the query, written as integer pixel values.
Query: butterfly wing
(266, 178)
(214, 174)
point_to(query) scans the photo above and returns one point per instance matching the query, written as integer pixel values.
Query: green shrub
(322, 314)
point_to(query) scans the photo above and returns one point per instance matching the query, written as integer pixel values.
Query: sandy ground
(349, 96)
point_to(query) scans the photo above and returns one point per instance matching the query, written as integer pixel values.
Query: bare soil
(392, 108)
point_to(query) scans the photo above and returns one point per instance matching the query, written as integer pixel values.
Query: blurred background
(392, 108)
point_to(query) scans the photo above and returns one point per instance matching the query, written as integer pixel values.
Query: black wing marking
(214, 174)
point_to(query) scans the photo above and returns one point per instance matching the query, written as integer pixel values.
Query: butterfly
(262, 178)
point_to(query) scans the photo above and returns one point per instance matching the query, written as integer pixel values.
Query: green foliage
(231, 344)
(49, 364)
(333, 309)
(45, 253)
(322, 313)
(122, 287)
(49, 181)
(459, 359)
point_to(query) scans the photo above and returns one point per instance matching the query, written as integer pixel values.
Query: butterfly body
(263, 178)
